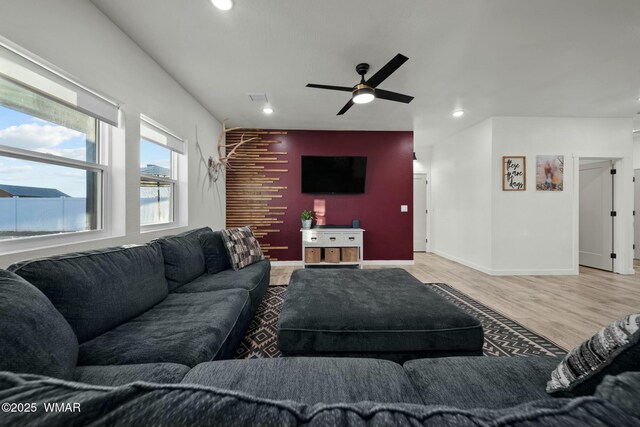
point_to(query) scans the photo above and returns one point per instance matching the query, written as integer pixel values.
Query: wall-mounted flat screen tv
(333, 174)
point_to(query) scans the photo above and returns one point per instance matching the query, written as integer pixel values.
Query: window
(50, 171)
(54, 176)
(160, 155)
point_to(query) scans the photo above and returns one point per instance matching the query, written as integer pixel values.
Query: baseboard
(463, 262)
(492, 272)
(562, 272)
(373, 262)
(390, 262)
(286, 263)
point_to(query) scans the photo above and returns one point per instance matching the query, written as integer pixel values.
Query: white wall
(535, 232)
(529, 232)
(461, 180)
(76, 37)
(423, 154)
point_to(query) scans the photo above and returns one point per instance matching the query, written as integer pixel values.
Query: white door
(596, 222)
(419, 213)
(636, 218)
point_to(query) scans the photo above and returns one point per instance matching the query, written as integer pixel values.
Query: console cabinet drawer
(342, 239)
(350, 239)
(332, 239)
(313, 238)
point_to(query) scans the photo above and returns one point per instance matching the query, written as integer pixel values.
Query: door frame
(623, 223)
(636, 218)
(428, 207)
(429, 210)
(603, 167)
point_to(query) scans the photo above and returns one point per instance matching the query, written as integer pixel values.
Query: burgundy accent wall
(389, 184)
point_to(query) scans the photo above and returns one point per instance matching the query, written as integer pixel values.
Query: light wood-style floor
(565, 309)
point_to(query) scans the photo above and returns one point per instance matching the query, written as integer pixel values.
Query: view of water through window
(38, 197)
(155, 196)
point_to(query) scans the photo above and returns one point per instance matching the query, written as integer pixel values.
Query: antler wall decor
(216, 165)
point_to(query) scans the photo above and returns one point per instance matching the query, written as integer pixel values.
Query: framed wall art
(550, 173)
(514, 173)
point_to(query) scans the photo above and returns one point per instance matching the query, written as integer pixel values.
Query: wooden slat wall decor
(252, 185)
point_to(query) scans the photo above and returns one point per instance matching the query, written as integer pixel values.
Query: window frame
(175, 181)
(36, 74)
(102, 167)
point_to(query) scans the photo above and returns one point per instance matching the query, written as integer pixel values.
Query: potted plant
(307, 218)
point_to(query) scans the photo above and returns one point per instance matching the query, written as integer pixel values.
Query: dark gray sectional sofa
(136, 337)
(149, 312)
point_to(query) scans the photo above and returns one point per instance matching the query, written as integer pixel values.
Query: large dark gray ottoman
(384, 313)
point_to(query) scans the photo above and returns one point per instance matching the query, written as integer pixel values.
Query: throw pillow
(242, 246)
(215, 251)
(613, 350)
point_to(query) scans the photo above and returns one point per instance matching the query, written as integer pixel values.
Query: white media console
(332, 246)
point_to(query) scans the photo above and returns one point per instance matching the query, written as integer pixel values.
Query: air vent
(258, 97)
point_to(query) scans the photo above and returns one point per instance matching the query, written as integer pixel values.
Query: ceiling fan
(367, 91)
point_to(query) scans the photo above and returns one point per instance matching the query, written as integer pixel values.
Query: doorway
(636, 213)
(597, 214)
(419, 212)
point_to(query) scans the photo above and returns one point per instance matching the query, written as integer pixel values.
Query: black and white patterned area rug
(502, 336)
(261, 339)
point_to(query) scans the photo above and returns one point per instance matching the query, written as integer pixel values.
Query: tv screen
(333, 175)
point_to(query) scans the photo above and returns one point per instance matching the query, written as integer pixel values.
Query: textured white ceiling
(571, 58)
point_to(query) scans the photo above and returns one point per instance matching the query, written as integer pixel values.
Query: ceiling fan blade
(345, 108)
(393, 96)
(340, 88)
(387, 70)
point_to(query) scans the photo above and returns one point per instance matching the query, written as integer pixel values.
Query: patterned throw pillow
(613, 350)
(242, 246)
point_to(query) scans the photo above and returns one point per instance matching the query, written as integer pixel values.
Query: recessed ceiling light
(267, 110)
(458, 113)
(223, 4)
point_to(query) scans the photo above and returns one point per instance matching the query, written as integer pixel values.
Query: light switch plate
(404, 208)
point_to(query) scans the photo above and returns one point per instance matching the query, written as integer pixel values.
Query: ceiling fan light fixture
(223, 4)
(363, 94)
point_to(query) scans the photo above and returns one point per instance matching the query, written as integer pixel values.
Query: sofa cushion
(622, 390)
(614, 349)
(34, 337)
(115, 375)
(481, 382)
(216, 256)
(99, 290)
(140, 404)
(242, 247)
(309, 379)
(184, 328)
(183, 257)
(254, 278)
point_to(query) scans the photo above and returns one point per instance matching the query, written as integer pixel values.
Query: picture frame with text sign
(514, 173)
